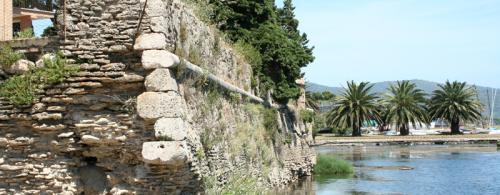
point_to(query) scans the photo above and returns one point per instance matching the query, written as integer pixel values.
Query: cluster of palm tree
(404, 105)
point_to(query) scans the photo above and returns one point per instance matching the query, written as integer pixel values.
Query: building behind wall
(6, 10)
(17, 19)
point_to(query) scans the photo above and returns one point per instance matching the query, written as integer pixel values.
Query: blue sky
(40, 25)
(381, 40)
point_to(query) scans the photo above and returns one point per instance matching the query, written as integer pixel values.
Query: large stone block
(150, 41)
(154, 105)
(20, 67)
(171, 128)
(164, 153)
(89, 139)
(161, 80)
(152, 59)
(156, 8)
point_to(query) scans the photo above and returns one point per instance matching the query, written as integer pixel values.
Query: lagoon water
(425, 169)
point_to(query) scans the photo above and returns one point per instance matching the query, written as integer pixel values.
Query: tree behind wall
(273, 32)
(39, 4)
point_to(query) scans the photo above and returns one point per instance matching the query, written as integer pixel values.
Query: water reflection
(405, 153)
(427, 169)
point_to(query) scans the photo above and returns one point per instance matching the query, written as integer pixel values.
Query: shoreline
(379, 140)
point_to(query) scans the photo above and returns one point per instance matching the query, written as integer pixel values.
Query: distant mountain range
(427, 86)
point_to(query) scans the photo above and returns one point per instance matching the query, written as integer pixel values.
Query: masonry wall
(131, 121)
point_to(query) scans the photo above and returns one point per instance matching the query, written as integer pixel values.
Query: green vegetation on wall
(238, 182)
(267, 37)
(25, 34)
(250, 141)
(8, 57)
(22, 89)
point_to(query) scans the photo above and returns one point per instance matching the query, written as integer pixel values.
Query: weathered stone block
(156, 8)
(41, 62)
(159, 24)
(117, 48)
(172, 128)
(152, 59)
(47, 116)
(150, 41)
(154, 105)
(10, 168)
(66, 135)
(89, 139)
(161, 80)
(20, 67)
(164, 153)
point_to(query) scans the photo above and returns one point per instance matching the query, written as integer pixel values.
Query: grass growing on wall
(307, 116)
(25, 34)
(268, 117)
(327, 165)
(22, 89)
(8, 57)
(238, 182)
(250, 142)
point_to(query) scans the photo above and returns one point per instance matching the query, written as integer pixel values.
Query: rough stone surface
(154, 105)
(161, 80)
(150, 41)
(20, 67)
(152, 59)
(85, 136)
(171, 128)
(164, 153)
(41, 62)
(89, 139)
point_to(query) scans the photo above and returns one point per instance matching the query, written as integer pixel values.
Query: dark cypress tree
(274, 33)
(239, 17)
(287, 17)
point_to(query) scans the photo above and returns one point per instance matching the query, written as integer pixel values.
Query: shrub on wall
(22, 89)
(25, 34)
(8, 57)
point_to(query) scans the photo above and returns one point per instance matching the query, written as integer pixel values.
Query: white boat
(494, 131)
(418, 132)
(391, 132)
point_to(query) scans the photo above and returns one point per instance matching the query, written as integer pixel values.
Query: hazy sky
(381, 40)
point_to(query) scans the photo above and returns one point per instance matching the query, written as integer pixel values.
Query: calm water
(441, 169)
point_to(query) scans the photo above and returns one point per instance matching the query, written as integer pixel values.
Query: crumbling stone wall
(126, 123)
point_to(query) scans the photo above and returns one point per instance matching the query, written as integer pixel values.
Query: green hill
(427, 86)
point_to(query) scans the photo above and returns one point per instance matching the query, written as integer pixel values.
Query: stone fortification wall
(134, 121)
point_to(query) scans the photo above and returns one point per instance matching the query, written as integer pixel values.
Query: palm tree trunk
(356, 130)
(455, 127)
(404, 130)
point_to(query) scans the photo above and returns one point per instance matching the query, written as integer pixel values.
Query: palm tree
(383, 113)
(455, 102)
(311, 101)
(405, 104)
(353, 107)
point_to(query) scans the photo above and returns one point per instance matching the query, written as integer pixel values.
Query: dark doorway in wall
(93, 178)
(16, 28)
(90, 160)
